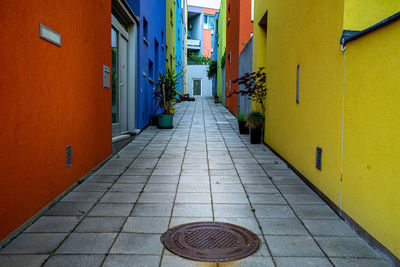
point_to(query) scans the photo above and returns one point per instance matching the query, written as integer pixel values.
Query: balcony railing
(193, 43)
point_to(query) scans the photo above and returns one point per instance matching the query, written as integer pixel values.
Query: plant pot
(243, 129)
(154, 119)
(216, 99)
(178, 101)
(255, 136)
(172, 111)
(165, 121)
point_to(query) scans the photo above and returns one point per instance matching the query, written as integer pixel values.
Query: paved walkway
(201, 170)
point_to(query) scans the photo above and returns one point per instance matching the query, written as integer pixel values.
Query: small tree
(255, 86)
(166, 88)
(212, 69)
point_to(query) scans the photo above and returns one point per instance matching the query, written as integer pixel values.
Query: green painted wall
(171, 34)
(221, 24)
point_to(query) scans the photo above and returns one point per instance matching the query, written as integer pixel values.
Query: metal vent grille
(69, 156)
(318, 163)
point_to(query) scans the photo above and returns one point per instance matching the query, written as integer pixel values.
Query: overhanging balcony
(193, 44)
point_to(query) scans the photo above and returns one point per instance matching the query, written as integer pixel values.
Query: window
(252, 10)
(145, 28)
(151, 70)
(209, 21)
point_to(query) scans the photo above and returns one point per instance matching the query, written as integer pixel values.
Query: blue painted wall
(180, 29)
(214, 54)
(150, 53)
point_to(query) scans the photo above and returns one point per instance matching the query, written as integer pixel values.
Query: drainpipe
(343, 48)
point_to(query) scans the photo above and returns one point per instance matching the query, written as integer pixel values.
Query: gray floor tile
(75, 260)
(257, 180)
(261, 188)
(294, 189)
(346, 247)
(232, 210)
(186, 179)
(193, 188)
(131, 260)
(137, 244)
(274, 211)
(111, 209)
(314, 212)
(155, 210)
(116, 197)
(152, 225)
(225, 179)
(157, 198)
(301, 261)
(230, 198)
(267, 199)
(87, 243)
(193, 198)
(132, 179)
(82, 197)
(249, 223)
(192, 210)
(33, 243)
(22, 260)
(320, 227)
(53, 224)
(126, 188)
(282, 227)
(173, 261)
(101, 225)
(300, 199)
(227, 188)
(70, 208)
(184, 220)
(250, 261)
(92, 187)
(164, 179)
(160, 188)
(299, 246)
(357, 262)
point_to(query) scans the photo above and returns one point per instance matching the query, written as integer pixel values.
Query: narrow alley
(201, 170)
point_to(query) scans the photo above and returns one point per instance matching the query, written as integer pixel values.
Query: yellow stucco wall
(371, 174)
(361, 14)
(303, 32)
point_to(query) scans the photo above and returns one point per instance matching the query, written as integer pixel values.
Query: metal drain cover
(210, 241)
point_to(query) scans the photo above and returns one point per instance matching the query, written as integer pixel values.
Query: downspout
(343, 48)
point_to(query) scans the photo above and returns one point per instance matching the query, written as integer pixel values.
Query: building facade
(171, 23)
(221, 54)
(151, 55)
(239, 30)
(331, 105)
(58, 113)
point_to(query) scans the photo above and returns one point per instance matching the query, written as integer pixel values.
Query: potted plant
(243, 128)
(255, 120)
(256, 88)
(166, 84)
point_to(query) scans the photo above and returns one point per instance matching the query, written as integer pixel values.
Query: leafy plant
(166, 86)
(255, 86)
(212, 69)
(223, 59)
(241, 117)
(255, 120)
(198, 59)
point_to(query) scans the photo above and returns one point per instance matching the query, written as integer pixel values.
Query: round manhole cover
(210, 241)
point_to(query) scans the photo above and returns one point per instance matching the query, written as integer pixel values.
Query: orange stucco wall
(238, 33)
(50, 97)
(207, 34)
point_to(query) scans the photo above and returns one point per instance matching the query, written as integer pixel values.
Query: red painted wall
(50, 97)
(207, 44)
(238, 33)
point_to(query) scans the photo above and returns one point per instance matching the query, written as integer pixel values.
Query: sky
(205, 3)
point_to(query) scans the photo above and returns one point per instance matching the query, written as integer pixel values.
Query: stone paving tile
(74, 260)
(92, 187)
(282, 227)
(146, 225)
(82, 197)
(22, 260)
(132, 179)
(87, 243)
(160, 188)
(117, 197)
(232, 210)
(70, 209)
(328, 228)
(314, 211)
(111, 209)
(359, 262)
(183, 220)
(100, 225)
(173, 261)
(156, 198)
(53, 224)
(299, 246)
(267, 199)
(34, 243)
(127, 243)
(192, 210)
(193, 198)
(129, 260)
(250, 261)
(346, 247)
(302, 261)
(274, 211)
